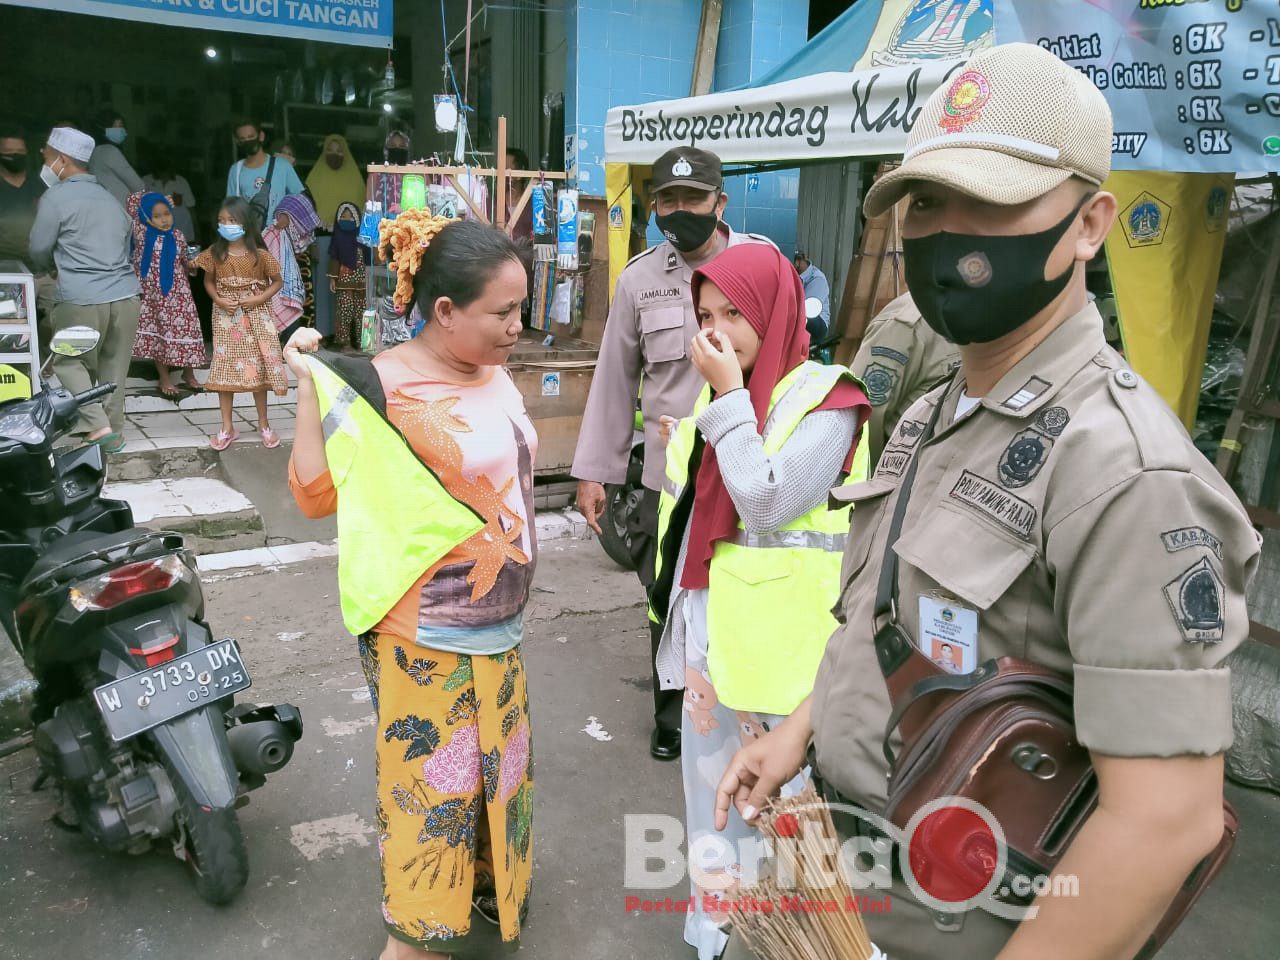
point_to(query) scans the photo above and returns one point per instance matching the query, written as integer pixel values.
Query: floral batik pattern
(455, 787)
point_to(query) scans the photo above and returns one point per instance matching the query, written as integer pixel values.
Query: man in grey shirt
(84, 233)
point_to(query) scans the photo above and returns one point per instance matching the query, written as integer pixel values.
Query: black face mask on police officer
(13, 162)
(975, 289)
(687, 230)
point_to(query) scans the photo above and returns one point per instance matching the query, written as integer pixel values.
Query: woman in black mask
(386, 186)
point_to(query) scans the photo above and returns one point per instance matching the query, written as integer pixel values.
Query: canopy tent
(1189, 89)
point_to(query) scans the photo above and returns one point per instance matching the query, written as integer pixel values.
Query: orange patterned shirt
(481, 443)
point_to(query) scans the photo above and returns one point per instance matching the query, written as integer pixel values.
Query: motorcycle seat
(74, 552)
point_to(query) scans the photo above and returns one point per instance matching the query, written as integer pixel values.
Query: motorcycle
(622, 502)
(134, 713)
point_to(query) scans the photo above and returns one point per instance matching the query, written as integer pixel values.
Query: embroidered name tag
(1184, 537)
(893, 462)
(1012, 513)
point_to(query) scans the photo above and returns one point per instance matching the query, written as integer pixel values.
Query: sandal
(223, 440)
(110, 442)
(173, 392)
(270, 439)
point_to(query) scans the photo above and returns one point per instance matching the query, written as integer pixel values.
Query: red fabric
(764, 286)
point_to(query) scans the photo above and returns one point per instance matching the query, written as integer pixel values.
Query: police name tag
(949, 634)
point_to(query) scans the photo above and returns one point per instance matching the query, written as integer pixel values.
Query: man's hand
(591, 502)
(757, 771)
(666, 427)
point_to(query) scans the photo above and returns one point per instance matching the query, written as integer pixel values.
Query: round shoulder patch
(1126, 378)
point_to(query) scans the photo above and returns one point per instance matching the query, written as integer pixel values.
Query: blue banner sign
(365, 23)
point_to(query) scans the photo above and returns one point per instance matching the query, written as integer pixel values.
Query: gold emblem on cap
(974, 269)
(681, 168)
(964, 101)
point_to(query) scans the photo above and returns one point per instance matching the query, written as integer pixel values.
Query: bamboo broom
(797, 827)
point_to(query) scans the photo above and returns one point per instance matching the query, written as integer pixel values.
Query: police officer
(1060, 513)
(900, 358)
(647, 336)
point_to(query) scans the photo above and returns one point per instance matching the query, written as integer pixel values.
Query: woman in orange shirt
(444, 666)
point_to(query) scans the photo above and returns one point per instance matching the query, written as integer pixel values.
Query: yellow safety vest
(395, 517)
(770, 594)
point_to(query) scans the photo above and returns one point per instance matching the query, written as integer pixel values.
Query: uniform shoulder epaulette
(642, 253)
(1161, 442)
(762, 238)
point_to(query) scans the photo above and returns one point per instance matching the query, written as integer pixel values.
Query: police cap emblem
(682, 168)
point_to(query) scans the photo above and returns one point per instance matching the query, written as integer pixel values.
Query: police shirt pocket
(869, 501)
(965, 555)
(662, 329)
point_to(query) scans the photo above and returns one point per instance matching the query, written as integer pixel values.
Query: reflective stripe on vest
(768, 608)
(367, 458)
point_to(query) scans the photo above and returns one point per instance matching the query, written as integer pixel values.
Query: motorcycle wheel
(621, 501)
(216, 855)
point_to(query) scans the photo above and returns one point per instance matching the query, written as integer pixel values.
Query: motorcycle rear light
(124, 583)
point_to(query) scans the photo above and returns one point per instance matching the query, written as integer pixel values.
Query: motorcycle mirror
(74, 341)
(812, 308)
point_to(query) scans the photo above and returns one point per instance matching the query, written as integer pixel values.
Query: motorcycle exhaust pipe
(260, 747)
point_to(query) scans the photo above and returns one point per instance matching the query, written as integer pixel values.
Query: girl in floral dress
(241, 277)
(168, 326)
(445, 667)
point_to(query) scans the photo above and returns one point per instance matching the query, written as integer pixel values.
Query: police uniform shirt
(650, 326)
(1070, 517)
(899, 359)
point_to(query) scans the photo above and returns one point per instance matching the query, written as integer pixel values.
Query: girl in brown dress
(241, 277)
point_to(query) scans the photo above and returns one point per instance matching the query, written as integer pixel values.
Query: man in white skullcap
(82, 231)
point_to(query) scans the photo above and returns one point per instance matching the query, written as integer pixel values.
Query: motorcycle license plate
(158, 694)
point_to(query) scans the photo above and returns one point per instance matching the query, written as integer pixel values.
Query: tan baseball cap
(1007, 127)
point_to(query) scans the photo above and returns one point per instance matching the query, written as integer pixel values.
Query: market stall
(1189, 87)
(553, 364)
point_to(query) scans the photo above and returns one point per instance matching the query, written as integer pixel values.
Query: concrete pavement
(313, 892)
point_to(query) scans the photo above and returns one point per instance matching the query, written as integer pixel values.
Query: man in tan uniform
(646, 340)
(900, 358)
(1059, 514)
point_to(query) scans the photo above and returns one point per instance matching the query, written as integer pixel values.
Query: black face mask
(687, 230)
(248, 148)
(398, 156)
(13, 162)
(975, 289)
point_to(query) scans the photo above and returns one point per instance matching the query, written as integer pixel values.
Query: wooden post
(704, 56)
(500, 202)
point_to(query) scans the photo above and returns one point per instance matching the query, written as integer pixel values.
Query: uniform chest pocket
(870, 501)
(965, 555)
(662, 330)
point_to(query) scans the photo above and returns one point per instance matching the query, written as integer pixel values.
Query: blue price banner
(365, 23)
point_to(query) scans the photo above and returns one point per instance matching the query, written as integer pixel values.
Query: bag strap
(886, 592)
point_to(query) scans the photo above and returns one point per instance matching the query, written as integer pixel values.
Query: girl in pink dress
(168, 326)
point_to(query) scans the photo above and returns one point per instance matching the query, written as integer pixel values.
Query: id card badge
(948, 633)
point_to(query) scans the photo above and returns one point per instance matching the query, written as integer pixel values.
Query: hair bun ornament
(403, 242)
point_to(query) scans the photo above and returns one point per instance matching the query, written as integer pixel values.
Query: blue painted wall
(636, 51)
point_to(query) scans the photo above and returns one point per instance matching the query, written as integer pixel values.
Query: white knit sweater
(768, 492)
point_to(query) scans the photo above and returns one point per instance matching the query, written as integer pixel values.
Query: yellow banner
(1164, 253)
(617, 181)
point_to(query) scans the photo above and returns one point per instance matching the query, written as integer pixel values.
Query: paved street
(313, 892)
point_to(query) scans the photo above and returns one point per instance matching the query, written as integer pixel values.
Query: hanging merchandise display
(373, 216)
(567, 232)
(542, 199)
(544, 277)
(562, 303)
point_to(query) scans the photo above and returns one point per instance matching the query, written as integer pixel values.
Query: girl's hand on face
(713, 357)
